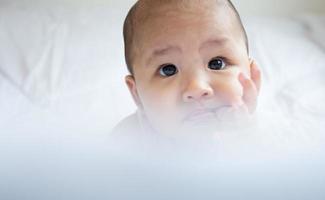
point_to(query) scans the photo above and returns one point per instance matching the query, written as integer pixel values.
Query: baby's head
(184, 57)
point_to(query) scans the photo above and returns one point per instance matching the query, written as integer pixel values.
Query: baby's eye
(217, 64)
(168, 70)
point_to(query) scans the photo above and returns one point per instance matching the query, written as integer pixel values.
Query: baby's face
(186, 69)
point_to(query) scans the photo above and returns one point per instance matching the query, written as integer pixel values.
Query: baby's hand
(251, 87)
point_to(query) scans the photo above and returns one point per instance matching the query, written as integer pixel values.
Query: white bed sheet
(292, 58)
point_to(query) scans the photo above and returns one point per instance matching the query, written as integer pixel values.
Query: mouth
(204, 115)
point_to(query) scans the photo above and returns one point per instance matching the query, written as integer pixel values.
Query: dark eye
(168, 70)
(217, 64)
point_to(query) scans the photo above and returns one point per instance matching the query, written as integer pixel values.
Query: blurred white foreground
(62, 91)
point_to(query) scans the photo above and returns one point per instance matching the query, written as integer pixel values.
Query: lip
(203, 115)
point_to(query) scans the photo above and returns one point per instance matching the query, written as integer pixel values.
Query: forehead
(168, 24)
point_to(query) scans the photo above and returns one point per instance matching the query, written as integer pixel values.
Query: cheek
(161, 106)
(227, 84)
(159, 97)
(245, 69)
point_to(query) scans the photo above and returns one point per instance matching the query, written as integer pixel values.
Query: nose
(197, 89)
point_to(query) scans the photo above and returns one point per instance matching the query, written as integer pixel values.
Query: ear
(130, 82)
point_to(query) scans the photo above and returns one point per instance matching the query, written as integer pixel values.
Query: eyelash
(160, 68)
(225, 60)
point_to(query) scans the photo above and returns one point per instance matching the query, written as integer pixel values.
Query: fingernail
(255, 70)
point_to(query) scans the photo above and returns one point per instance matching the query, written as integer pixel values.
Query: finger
(256, 75)
(241, 111)
(249, 92)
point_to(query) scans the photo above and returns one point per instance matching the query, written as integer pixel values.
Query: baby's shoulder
(127, 127)
(128, 135)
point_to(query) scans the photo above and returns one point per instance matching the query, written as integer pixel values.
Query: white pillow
(293, 74)
(62, 66)
(59, 48)
(316, 28)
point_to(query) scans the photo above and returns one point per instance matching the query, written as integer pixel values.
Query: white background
(279, 7)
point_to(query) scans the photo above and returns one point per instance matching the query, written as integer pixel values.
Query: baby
(189, 67)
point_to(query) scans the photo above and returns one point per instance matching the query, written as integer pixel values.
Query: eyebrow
(165, 50)
(215, 42)
(173, 48)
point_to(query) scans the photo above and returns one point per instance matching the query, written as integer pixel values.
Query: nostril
(205, 94)
(197, 93)
(191, 97)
